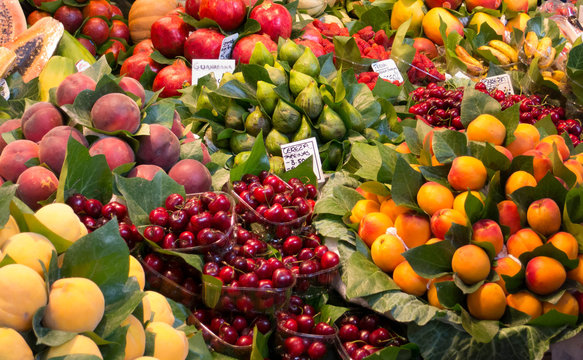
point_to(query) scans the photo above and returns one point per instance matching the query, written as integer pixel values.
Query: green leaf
(340, 203)
(365, 161)
(114, 349)
(475, 103)
(7, 192)
(48, 336)
(554, 319)
(194, 260)
(197, 348)
(257, 161)
(304, 171)
(117, 312)
(139, 206)
(84, 174)
(22, 214)
(431, 261)
(448, 294)
(260, 349)
(375, 187)
(348, 55)
(211, 290)
(191, 150)
(161, 113)
(363, 278)
(548, 187)
(449, 144)
(333, 228)
(101, 256)
(406, 184)
(481, 330)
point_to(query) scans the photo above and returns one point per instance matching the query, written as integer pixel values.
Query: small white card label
(202, 67)
(387, 70)
(499, 82)
(580, 15)
(82, 65)
(295, 153)
(4, 90)
(227, 46)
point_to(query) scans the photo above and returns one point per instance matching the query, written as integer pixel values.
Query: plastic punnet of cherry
(201, 223)
(230, 333)
(271, 207)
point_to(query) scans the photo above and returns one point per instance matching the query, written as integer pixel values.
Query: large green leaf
(117, 312)
(406, 184)
(475, 103)
(363, 278)
(139, 206)
(431, 261)
(257, 161)
(103, 257)
(84, 174)
(7, 192)
(449, 144)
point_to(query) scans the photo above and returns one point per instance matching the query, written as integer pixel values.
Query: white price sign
(387, 70)
(4, 90)
(82, 65)
(227, 46)
(295, 153)
(499, 82)
(202, 67)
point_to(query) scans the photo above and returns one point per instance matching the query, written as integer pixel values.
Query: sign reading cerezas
(202, 67)
(499, 82)
(295, 153)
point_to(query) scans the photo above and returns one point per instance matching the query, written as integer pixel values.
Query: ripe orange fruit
(373, 225)
(487, 128)
(567, 305)
(433, 196)
(408, 280)
(467, 173)
(525, 302)
(577, 273)
(361, 208)
(459, 203)
(506, 266)
(517, 180)
(544, 275)
(413, 229)
(566, 243)
(471, 264)
(488, 302)
(522, 241)
(386, 252)
(432, 291)
(544, 216)
(489, 231)
(441, 221)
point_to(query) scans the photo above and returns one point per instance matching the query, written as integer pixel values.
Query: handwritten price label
(295, 153)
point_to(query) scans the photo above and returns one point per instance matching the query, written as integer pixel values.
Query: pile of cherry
(439, 107)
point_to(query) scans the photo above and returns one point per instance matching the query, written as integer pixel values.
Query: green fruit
(211, 134)
(308, 64)
(276, 165)
(241, 157)
(260, 55)
(276, 74)
(299, 81)
(310, 100)
(334, 155)
(285, 118)
(241, 142)
(257, 121)
(203, 102)
(274, 141)
(304, 132)
(226, 78)
(327, 96)
(330, 125)
(266, 96)
(290, 52)
(235, 116)
(371, 134)
(351, 116)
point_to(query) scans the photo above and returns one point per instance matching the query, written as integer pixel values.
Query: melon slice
(35, 46)
(12, 21)
(7, 59)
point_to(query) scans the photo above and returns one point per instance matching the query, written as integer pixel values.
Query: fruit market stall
(236, 179)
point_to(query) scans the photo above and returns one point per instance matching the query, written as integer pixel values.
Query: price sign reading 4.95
(295, 153)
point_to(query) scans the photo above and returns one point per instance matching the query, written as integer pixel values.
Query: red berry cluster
(362, 336)
(423, 70)
(294, 324)
(372, 45)
(268, 199)
(312, 263)
(232, 328)
(330, 30)
(371, 78)
(204, 219)
(439, 107)
(93, 214)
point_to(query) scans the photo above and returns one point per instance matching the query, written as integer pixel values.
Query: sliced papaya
(12, 21)
(35, 46)
(7, 59)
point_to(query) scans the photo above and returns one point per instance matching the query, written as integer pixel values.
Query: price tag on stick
(202, 67)
(387, 70)
(295, 153)
(227, 46)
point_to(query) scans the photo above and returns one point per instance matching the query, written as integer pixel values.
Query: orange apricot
(413, 229)
(441, 221)
(488, 302)
(386, 252)
(517, 180)
(372, 226)
(408, 280)
(433, 196)
(487, 128)
(467, 173)
(522, 241)
(471, 264)
(544, 275)
(489, 231)
(506, 266)
(544, 216)
(525, 302)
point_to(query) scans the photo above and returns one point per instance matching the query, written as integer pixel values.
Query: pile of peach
(391, 229)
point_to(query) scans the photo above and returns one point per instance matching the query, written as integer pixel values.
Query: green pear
(290, 52)
(235, 116)
(241, 157)
(241, 142)
(266, 96)
(276, 74)
(299, 81)
(308, 63)
(330, 125)
(304, 132)
(285, 118)
(352, 117)
(276, 165)
(260, 55)
(274, 141)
